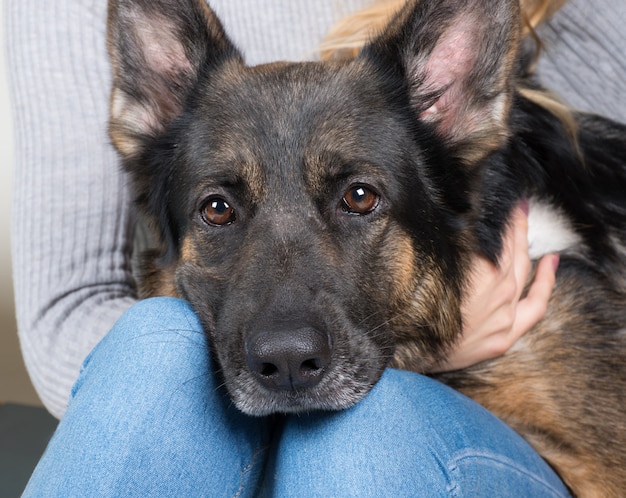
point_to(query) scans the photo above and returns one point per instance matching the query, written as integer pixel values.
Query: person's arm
(72, 219)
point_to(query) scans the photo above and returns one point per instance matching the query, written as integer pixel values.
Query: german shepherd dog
(320, 217)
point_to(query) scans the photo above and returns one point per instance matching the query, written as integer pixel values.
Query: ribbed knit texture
(585, 57)
(72, 218)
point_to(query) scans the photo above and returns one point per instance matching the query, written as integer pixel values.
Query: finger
(493, 287)
(533, 307)
(514, 264)
(520, 226)
(521, 260)
(512, 237)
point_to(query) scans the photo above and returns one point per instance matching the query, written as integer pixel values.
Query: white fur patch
(550, 231)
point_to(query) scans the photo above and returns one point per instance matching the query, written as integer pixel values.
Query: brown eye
(216, 211)
(360, 200)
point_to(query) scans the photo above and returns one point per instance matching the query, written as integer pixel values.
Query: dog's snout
(289, 359)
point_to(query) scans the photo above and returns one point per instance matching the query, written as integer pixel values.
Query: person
(145, 416)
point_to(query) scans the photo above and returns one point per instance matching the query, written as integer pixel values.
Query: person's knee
(159, 314)
(414, 398)
(409, 431)
(151, 323)
(154, 337)
(152, 320)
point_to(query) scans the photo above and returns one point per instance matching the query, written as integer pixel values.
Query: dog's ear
(158, 49)
(457, 59)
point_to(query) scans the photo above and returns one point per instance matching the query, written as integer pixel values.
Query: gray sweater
(73, 220)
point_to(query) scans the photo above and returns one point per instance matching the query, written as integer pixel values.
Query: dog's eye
(360, 199)
(217, 212)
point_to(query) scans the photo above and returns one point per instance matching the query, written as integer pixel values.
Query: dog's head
(316, 215)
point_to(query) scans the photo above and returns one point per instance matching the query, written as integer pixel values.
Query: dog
(320, 217)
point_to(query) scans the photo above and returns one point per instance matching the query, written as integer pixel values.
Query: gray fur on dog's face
(299, 205)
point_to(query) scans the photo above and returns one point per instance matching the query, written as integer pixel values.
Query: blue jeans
(147, 418)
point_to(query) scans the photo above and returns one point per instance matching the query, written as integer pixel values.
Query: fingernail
(524, 206)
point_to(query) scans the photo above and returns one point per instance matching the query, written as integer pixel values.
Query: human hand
(494, 316)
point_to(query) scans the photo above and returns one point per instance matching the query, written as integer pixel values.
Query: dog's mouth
(300, 372)
(335, 391)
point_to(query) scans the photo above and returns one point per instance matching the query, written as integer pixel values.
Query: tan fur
(119, 131)
(432, 305)
(422, 300)
(156, 280)
(581, 472)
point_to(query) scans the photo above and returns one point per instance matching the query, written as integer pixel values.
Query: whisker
(369, 317)
(387, 322)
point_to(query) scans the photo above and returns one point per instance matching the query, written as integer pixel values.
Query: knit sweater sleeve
(72, 218)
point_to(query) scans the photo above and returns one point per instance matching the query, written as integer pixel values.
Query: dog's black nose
(289, 359)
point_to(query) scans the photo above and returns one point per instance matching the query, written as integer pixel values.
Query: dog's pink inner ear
(161, 71)
(444, 72)
(163, 51)
(470, 100)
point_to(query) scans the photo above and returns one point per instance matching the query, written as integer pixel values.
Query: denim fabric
(410, 436)
(147, 418)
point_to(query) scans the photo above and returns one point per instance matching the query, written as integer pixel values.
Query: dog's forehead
(296, 120)
(296, 101)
